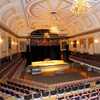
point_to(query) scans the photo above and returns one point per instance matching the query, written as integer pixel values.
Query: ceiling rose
(53, 13)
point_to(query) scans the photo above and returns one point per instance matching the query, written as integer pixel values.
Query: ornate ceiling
(24, 16)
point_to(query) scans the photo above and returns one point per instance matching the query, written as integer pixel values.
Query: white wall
(93, 49)
(4, 51)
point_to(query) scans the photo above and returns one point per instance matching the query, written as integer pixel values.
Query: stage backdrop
(39, 53)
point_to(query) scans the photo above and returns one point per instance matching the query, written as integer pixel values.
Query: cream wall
(94, 47)
(4, 51)
(15, 44)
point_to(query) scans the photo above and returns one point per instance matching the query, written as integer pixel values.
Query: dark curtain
(39, 53)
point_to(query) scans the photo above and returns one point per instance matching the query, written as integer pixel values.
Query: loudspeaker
(28, 55)
(67, 47)
(66, 54)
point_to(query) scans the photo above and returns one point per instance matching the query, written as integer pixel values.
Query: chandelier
(54, 30)
(80, 6)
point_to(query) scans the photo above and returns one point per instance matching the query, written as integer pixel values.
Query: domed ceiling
(24, 16)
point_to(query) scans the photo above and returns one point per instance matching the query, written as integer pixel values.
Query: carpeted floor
(58, 78)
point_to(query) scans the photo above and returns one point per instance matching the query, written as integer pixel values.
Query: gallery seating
(5, 70)
(7, 63)
(4, 65)
(14, 69)
(89, 59)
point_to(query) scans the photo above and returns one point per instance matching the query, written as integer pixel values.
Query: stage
(48, 66)
(53, 75)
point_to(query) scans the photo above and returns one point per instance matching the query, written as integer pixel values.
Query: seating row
(86, 56)
(67, 87)
(87, 61)
(27, 92)
(88, 95)
(5, 70)
(10, 75)
(4, 65)
(41, 93)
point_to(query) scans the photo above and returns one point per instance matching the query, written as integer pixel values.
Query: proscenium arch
(39, 32)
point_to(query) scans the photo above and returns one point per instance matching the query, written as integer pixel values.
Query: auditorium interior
(49, 49)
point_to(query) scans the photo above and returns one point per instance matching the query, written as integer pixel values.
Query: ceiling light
(80, 6)
(54, 30)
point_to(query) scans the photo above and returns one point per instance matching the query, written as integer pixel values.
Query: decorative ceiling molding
(85, 33)
(38, 14)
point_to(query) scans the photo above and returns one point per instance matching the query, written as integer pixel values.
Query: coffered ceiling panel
(25, 16)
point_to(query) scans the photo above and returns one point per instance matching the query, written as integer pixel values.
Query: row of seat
(9, 92)
(27, 91)
(68, 88)
(88, 95)
(5, 70)
(40, 93)
(14, 88)
(87, 56)
(87, 61)
(4, 65)
(10, 75)
(22, 86)
(19, 92)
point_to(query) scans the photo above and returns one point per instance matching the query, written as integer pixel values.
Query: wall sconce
(13, 43)
(77, 42)
(71, 42)
(96, 40)
(1, 41)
